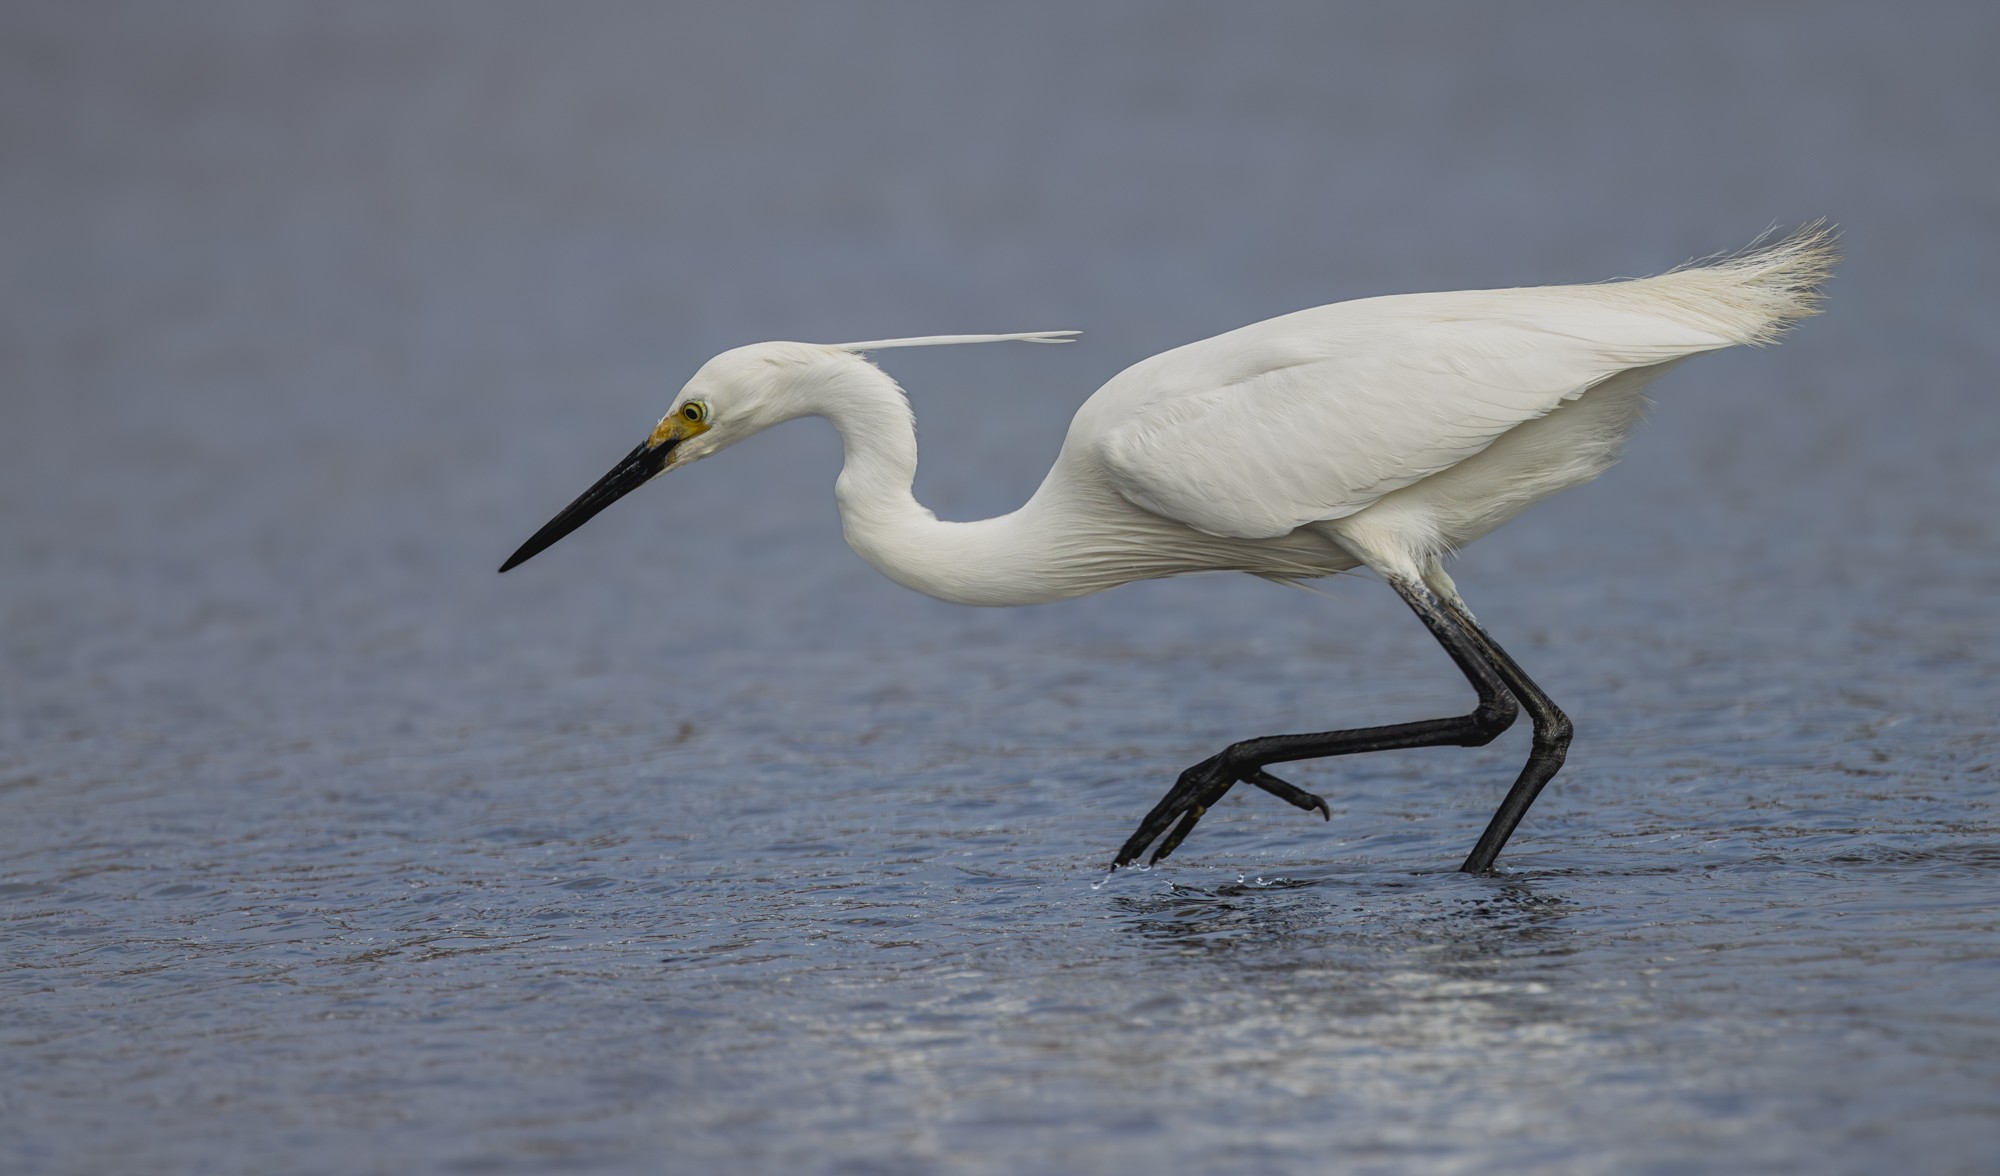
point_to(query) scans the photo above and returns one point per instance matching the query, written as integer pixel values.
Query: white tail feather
(945, 340)
(1754, 295)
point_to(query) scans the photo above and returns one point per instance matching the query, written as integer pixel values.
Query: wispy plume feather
(949, 340)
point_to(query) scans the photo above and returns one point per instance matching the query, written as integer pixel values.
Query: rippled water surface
(695, 845)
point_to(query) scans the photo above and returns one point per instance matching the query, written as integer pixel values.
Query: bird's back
(1320, 415)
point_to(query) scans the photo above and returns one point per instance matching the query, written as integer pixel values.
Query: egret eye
(695, 411)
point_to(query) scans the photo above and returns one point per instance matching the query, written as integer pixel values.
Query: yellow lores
(689, 420)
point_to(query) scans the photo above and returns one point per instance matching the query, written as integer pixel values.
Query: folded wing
(1316, 415)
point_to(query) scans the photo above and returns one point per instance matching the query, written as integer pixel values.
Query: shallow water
(695, 845)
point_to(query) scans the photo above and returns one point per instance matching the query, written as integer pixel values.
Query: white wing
(1316, 415)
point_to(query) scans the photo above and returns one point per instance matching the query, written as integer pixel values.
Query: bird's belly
(1150, 547)
(1526, 464)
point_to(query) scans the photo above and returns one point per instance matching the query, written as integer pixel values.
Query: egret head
(734, 395)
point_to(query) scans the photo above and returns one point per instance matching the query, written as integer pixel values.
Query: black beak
(628, 475)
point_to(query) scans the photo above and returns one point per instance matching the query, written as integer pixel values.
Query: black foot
(1194, 794)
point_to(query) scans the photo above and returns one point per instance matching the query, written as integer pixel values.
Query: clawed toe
(1175, 816)
(1290, 793)
(1191, 797)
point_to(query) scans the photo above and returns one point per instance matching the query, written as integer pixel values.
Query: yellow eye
(695, 411)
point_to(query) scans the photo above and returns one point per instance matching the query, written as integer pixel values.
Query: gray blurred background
(309, 313)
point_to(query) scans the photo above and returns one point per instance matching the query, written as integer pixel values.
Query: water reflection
(1342, 948)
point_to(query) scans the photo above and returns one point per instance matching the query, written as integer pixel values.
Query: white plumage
(1384, 432)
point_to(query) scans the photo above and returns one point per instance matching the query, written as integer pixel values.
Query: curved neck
(999, 561)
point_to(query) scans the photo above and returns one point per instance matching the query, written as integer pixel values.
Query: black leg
(1552, 732)
(1202, 785)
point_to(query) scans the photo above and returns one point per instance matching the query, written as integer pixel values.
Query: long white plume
(945, 340)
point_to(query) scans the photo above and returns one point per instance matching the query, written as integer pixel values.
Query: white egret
(1384, 433)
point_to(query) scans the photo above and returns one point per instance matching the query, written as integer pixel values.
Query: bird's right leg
(1545, 755)
(1198, 788)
